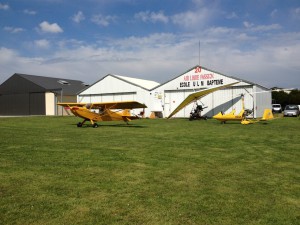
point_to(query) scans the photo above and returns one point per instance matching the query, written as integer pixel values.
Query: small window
(63, 82)
(85, 84)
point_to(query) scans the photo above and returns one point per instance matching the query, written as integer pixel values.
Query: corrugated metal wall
(111, 89)
(61, 110)
(108, 97)
(223, 100)
(262, 99)
(37, 104)
(22, 104)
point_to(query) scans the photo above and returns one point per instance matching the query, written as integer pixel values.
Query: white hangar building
(162, 99)
(169, 95)
(119, 88)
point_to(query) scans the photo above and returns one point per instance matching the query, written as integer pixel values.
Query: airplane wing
(198, 95)
(118, 105)
(109, 105)
(71, 104)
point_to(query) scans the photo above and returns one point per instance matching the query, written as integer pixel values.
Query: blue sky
(256, 40)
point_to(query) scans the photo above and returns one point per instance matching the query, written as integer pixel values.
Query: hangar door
(108, 97)
(37, 104)
(173, 99)
(23, 104)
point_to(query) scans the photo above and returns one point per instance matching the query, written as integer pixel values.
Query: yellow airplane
(242, 115)
(105, 111)
(198, 95)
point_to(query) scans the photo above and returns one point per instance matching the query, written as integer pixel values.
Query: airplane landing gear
(95, 125)
(81, 123)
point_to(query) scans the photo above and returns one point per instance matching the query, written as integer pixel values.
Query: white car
(291, 110)
(276, 108)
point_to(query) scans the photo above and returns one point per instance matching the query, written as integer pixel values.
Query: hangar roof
(147, 84)
(16, 84)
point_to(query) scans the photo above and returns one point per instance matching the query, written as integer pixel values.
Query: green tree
(283, 98)
(294, 97)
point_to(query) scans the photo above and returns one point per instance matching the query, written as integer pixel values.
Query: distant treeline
(284, 98)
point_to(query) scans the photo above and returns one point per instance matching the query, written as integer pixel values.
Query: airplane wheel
(95, 125)
(79, 124)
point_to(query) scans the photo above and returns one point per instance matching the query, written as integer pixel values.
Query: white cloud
(232, 15)
(266, 27)
(248, 24)
(217, 31)
(252, 27)
(4, 6)
(199, 16)
(147, 16)
(101, 20)
(29, 12)
(162, 56)
(154, 40)
(274, 13)
(193, 19)
(6, 55)
(78, 17)
(46, 27)
(11, 62)
(13, 30)
(42, 43)
(70, 43)
(296, 13)
(245, 37)
(199, 3)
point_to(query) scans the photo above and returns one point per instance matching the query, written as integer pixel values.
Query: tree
(294, 97)
(283, 98)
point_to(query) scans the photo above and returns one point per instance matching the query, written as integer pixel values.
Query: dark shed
(23, 94)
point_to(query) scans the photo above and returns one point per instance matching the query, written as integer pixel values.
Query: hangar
(171, 93)
(119, 88)
(24, 94)
(162, 99)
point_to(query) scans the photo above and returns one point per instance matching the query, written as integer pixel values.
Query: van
(276, 108)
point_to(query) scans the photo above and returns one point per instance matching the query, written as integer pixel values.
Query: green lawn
(150, 172)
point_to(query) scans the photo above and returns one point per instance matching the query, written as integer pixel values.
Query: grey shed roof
(69, 87)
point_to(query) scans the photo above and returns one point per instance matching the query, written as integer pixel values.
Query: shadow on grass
(109, 125)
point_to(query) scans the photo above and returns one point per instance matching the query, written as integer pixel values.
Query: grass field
(150, 172)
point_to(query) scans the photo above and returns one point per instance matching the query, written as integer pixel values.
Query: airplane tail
(268, 115)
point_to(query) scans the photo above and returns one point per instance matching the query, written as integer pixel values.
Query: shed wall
(262, 100)
(22, 104)
(59, 110)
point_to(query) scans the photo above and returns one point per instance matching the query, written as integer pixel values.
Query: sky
(158, 40)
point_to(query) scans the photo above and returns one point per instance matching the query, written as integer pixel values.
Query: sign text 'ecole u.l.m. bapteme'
(199, 80)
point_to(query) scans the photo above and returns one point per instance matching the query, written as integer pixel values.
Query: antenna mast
(199, 53)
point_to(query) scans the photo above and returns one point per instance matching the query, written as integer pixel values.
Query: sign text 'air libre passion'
(199, 80)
